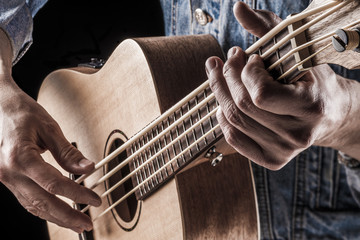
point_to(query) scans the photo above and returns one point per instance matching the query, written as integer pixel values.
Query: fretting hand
(270, 122)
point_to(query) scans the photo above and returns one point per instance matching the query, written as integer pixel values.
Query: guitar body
(142, 79)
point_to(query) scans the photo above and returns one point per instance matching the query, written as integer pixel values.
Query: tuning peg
(346, 40)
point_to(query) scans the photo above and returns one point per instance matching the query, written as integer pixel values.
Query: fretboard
(180, 145)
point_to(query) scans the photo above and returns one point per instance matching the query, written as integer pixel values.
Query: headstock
(310, 34)
(347, 15)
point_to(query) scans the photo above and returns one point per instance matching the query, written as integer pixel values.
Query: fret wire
(199, 117)
(150, 154)
(135, 188)
(134, 164)
(125, 178)
(144, 170)
(208, 110)
(137, 178)
(167, 151)
(278, 57)
(142, 162)
(158, 143)
(159, 147)
(212, 122)
(157, 163)
(163, 158)
(142, 157)
(146, 153)
(193, 131)
(301, 62)
(186, 136)
(284, 24)
(140, 172)
(179, 141)
(156, 180)
(173, 147)
(305, 45)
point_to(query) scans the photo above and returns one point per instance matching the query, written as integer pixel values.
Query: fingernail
(211, 63)
(252, 57)
(232, 52)
(84, 163)
(87, 227)
(95, 202)
(77, 229)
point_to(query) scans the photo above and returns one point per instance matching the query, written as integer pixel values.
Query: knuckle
(3, 174)
(52, 127)
(243, 102)
(213, 83)
(12, 160)
(40, 205)
(31, 209)
(317, 108)
(304, 139)
(230, 68)
(234, 116)
(68, 153)
(230, 136)
(275, 163)
(260, 96)
(52, 187)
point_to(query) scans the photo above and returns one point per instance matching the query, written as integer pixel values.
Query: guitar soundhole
(127, 212)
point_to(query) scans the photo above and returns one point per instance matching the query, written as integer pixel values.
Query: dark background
(66, 33)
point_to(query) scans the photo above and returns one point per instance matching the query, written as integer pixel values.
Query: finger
(250, 127)
(48, 207)
(273, 96)
(64, 152)
(232, 73)
(257, 22)
(50, 179)
(246, 146)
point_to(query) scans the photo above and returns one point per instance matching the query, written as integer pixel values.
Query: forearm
(341, 128)
(6, 54)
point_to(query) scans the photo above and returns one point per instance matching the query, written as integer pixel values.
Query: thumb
(67, 155)
(257, 22)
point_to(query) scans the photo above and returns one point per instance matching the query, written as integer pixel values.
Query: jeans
(312, 197)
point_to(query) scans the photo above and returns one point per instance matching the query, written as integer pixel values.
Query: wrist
(6, 54)
(347, 138)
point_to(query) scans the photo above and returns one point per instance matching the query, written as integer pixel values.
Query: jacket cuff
(17, 23)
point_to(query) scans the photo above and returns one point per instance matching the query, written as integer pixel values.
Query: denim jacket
(312, 197)
(16, 20)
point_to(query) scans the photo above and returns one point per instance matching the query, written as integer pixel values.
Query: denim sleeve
(16, 19)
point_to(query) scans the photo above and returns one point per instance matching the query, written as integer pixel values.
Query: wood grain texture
(127, 94)
(211, 211)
